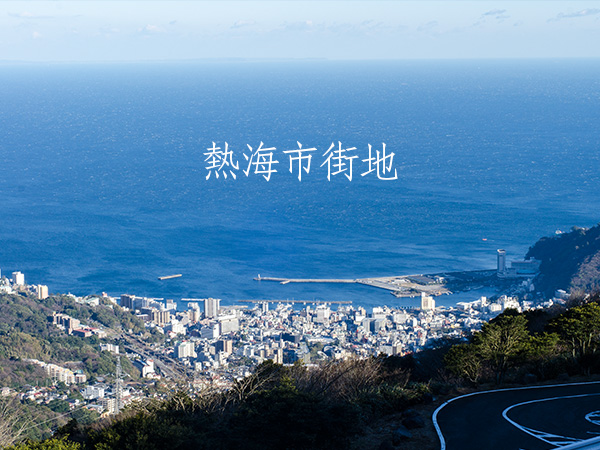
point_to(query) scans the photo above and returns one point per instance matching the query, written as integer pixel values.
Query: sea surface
(103, 174)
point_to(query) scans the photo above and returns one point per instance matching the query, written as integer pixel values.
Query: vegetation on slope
(276, 407)
(534, 345)
(26, 332)
(570, 261)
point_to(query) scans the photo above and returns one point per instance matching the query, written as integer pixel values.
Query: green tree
(579, 328)
(59, 406)
(464, 361)
(542, 351)
(502, 341)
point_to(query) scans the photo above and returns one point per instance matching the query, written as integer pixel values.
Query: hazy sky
(158, 30)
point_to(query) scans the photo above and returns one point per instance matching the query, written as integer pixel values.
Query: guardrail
(588, 444)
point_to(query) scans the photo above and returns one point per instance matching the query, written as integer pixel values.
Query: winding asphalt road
(531, 418)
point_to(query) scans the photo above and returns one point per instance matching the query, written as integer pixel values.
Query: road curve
(527, 418)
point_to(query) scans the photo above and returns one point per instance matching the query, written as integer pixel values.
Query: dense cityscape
(205, 345)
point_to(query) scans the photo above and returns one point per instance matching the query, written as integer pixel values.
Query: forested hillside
(26, 331)
(570, 261)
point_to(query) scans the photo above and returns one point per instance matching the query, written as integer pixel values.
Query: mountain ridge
(569, 261)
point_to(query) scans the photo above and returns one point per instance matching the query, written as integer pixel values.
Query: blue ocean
(103, 172)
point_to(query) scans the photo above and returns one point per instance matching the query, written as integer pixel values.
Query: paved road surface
(539, 418)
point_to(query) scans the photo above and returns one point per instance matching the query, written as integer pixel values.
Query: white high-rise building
(323, 313)
(41, 291)
(211, 307)
(427, 302)
(109, 404)
(185, 350)
(211, 331)
(228, 324)
(170, 305)
(501, 260)
(193, 315)
(18, 279)
(146, 367)
(93, 392)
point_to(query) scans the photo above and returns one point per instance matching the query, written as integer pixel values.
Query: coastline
(401, 286)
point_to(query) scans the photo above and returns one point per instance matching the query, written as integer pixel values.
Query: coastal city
(203, 344)
(299, 225)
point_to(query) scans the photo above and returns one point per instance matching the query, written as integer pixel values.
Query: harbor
(409, 286)
(399, 286)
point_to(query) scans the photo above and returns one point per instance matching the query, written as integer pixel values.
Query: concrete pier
(399, 285)
(305, 280)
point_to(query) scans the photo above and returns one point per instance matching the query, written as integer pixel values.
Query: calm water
(103, 181)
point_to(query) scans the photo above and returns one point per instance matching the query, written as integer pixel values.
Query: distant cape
(570, 261)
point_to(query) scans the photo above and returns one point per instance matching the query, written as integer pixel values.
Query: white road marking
(549, 438)
(435, 413)
(593, 417)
